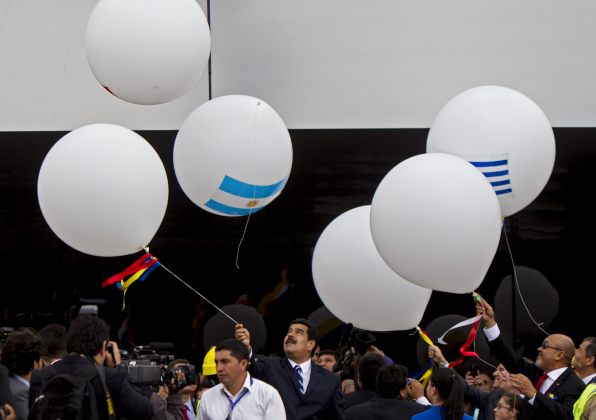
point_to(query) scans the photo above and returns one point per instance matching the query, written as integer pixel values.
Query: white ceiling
(319, 63)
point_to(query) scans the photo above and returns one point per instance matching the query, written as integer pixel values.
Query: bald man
(549, 384)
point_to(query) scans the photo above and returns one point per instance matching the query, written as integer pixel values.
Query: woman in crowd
(446, 393)
(509, 407)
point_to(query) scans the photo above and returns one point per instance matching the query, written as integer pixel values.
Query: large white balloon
(436, 221)
(233, 155)
(354, 282)
(103, 190)
(505, 135)
(148, 51)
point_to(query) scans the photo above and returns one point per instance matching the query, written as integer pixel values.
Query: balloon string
(254, 190)
(208, 7)
(539, 325)
(204, 298)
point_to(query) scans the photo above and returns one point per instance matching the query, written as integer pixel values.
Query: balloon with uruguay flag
(233, 155)
(505, 135)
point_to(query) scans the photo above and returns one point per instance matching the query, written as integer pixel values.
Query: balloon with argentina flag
(505, 135)
(233, 155)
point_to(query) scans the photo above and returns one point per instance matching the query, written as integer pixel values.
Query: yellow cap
(209, 362)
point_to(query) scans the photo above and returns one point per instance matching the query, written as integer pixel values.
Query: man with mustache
(309, 392)
(549, 384)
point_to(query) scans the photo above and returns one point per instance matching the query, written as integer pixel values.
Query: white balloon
(233, 155)
(436, 222)
(147, 51)
(103, 190)
(505, 134)
(354, 282)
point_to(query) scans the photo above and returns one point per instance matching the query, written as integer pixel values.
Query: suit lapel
(556, 384)
(290, 373)
(315, 377)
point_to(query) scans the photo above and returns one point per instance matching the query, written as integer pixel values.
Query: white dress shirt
(588, 378)
(306, 368)
(256, 400)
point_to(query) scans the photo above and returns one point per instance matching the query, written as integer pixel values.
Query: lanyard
(234, 403)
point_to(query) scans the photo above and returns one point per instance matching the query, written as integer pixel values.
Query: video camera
(353, 338)
(146, 366)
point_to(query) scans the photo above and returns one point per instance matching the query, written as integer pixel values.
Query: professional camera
(145, 366)
(189, 377)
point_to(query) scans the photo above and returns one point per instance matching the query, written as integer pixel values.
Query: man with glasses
(549, 384)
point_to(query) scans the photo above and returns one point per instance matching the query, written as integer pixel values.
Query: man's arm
(275, 408)
(506, 354)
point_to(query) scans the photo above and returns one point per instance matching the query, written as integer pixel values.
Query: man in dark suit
(87, 341)
(549, 384)
(21, 354)
(392, 400)
(308, 390)
(367, 367)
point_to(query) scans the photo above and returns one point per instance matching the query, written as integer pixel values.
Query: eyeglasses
(499, 406)
(545, 346)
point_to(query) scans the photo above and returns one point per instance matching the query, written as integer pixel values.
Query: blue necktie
(298, 371)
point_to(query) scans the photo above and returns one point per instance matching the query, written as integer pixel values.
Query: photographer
(82, 369)
(21, 354)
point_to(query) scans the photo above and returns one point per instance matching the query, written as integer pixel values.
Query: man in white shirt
(549, 384)
(238, 395)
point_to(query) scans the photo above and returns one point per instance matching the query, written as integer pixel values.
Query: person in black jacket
(308, 391)
(87, 341)
(549, 384)
(392, 401)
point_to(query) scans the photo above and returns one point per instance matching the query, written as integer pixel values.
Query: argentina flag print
(235, 197)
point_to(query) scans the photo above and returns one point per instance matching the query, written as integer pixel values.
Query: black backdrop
(333, 171)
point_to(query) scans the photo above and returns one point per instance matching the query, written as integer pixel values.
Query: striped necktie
(298, 371)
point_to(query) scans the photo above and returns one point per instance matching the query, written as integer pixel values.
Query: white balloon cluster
(435, 219)
(103, 189)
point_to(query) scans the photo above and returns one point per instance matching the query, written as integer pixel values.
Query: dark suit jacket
(5, 394)
(384, 409)
(127, 402)
(557, 402)
(358, 397)
(21, 394)
(484, 401)
(322, 399)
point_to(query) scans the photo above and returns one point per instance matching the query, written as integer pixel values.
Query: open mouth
(290, 341)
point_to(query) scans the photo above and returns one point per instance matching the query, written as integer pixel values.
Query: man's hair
(311, 333)
(53, 341)
(330, 352)
(368, 366)
(22, 348)
(87, 335)
(390, 380)
(235, 347)
(177, 362)
(591, 348)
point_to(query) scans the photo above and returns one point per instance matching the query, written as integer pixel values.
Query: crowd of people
(81, 374)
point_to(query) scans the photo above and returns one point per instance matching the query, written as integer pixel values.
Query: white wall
(46, 83)
(320, 63)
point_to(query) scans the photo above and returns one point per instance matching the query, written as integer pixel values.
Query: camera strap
(109, 401)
